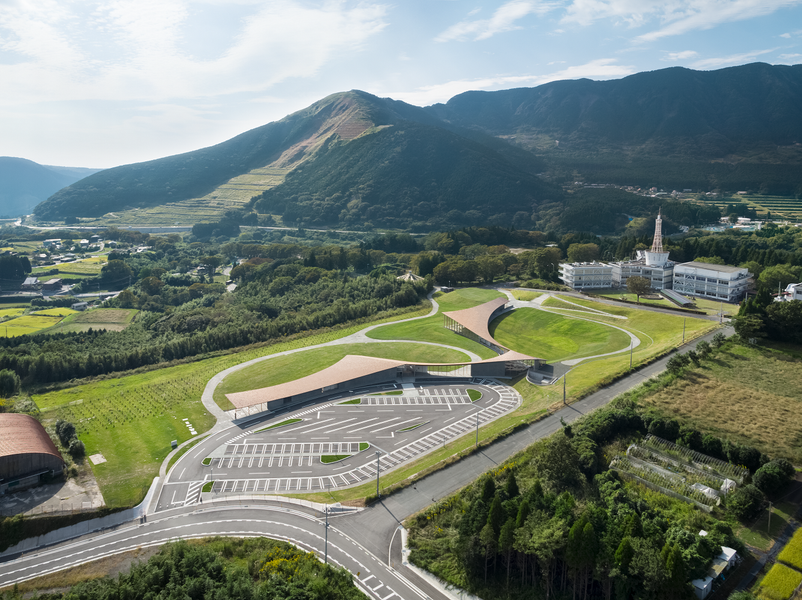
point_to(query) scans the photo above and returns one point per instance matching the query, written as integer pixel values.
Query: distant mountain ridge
(708, 113)
(25, 183)
(354, 159)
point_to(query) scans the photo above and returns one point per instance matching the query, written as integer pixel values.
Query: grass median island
(525, 296)
(411, 427)
(555, 337)
(353, 401)
(294, 366)
(332, 458)
(431, 329)
(474, 395)
(282, 424)
(207, 487)
(206, 461)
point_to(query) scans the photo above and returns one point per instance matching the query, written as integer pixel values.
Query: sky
(108, 82)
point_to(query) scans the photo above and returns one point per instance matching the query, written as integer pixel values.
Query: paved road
(279, 460)
(364, 542)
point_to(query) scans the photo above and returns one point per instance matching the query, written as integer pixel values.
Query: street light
(477, 426)
(378, 454)
(326, 547)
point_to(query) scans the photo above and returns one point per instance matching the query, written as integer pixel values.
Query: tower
(656, 257)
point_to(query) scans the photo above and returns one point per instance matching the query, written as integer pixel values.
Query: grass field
(132, 419)
(554, 337)
(779, 583)
(294, 366)
(749, 395)
(87, 267)
(711, 307)
(110, 319)
(431, 329)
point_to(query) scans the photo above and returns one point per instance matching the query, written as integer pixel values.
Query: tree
(65, 432)
(77, 448)
(748, 327)
(506, 539)
(638, 285)
(9, 383)
(784, 321)
(718, 340)
(583, 252)
(212, 262)
(487, 537)
(117, 273)
(745, 502)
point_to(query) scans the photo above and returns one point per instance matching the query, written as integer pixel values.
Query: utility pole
(683, 329)
(631, 346)
(564, 377)
(477, 426)
(326, 546)
(769, 528)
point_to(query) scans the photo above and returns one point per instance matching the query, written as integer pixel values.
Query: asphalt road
(275, 460)
(365, 542)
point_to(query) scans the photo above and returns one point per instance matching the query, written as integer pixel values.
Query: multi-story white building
(652, 264)
(584, 276)
(718, 282)
(792, 292)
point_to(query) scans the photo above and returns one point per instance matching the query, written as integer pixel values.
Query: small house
(52, 242)
(53, 284)
(702, 587)
(30, 283)
(79, 306)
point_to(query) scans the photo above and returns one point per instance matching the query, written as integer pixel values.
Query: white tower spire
(657, 244)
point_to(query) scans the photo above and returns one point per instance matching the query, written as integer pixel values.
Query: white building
(792, 292)
(584, 276)
(718, 282)
(652, 264)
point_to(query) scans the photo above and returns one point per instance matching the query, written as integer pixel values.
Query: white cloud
(791, 34)
(504, 19)
(684, 55)
(603, 68)
(675, 16)
(133, 49)
(733, 59)
(790, 57)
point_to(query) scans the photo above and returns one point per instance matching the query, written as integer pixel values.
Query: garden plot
(679, 472)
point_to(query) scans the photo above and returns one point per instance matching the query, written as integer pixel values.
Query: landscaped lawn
(555, 337)
(293, 366)
(431, 329)
(132, 419)
(748, 395)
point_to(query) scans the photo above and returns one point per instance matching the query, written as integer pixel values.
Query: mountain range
(353, 159)
(26, 183)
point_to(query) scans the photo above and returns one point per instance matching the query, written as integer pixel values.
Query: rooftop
(22, 434)
(476, 319)
(711, 267)
(346, 369)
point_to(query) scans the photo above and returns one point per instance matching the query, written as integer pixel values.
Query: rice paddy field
(110, 319)
(779, 583)
(79, 269)
(780, 207)
(33, 322)
(791, 555)
(232, 195)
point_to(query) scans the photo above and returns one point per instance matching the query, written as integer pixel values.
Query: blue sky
(109, 82)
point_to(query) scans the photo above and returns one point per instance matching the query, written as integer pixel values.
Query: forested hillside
(357, 161)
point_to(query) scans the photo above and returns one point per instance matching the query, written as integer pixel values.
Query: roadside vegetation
(220, 567)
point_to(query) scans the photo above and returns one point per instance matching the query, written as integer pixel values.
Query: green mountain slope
(406, 176)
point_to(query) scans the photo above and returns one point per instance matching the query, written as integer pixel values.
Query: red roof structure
(22, 434)
(477, 318)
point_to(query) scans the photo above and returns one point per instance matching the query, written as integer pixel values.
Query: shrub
(65, 432)
(77, 448)
(9, 383)
(718, 340)
(773, 476)
(745, 502)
